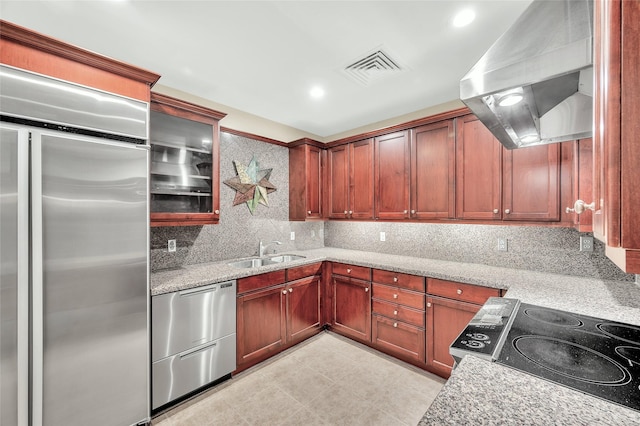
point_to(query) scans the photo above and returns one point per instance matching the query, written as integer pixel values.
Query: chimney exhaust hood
(535, 83)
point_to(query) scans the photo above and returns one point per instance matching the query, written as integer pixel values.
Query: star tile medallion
(251, 184)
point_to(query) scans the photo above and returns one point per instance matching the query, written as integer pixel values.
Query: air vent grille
(372, 67)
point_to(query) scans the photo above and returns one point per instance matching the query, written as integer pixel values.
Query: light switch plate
(293, 235)
(383, 236)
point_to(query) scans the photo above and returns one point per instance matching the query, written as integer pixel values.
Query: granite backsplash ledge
(537, 248)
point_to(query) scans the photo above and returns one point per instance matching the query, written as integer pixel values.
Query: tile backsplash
(554, 250)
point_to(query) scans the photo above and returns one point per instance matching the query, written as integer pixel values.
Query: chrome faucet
(262, 249)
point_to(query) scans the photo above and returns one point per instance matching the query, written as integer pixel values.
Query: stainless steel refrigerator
(74, 254)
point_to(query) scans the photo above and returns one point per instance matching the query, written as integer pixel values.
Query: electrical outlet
(171, 246)
(502, 244)
(293, 235)
(586, 243)
(383, 236)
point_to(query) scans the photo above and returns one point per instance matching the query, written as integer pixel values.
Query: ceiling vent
(372, 67)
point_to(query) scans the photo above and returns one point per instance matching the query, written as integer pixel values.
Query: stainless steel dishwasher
(193, 339)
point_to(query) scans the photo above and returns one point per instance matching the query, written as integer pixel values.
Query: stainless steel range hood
(546, 60)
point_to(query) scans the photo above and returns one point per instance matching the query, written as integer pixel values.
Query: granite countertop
(478, 392)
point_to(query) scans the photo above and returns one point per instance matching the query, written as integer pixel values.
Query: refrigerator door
(14, 276)
(90, 281)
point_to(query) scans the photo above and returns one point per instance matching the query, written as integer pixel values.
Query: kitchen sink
(256, 262)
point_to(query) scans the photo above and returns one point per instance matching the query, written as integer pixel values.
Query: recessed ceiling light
(316, 92)
(464, 18)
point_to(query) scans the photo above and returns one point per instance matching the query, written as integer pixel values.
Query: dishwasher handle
(198, 290)
(197, 349)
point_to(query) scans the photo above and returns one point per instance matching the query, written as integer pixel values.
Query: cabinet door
(433, 171)
(478, 171)
(392, 176)
(582, 185)
(352, 307)
(261, 324)
(532, 183)
(446, 319)
(338, 198)
(361, 179)
(314, 181)
(398, 338)
(303, 308)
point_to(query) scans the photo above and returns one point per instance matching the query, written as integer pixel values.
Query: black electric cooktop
(596, 356)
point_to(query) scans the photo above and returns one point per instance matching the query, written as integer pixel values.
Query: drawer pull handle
(428, 304)
(348, 270)
(198, 290)
(395, 296)
(197, 349)
(395, 324)
(459, 291)
(395, 312)
(395, 279)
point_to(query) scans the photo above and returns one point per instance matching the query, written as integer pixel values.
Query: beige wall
(249, 123)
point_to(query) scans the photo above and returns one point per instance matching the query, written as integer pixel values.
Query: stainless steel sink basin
(262, 261)
(285, 258)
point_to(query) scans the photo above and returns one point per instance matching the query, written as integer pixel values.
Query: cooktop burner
(596, 356)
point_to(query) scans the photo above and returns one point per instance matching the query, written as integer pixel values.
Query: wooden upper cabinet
(305, 181)
(338, 173)
(478, 171)
(531, 182)
(351, 180)
(391, 170)
(28, 50)
(433, 171)
(185, 163)
(616, 153)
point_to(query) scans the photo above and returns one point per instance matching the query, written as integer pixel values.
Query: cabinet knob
(495, 211)
(580, 207)
(459, 291)
(428, 304)
(395, 279)
(290, 290)
(216, 211)
(366, 289)
(413, 212)
(395, 296)
(507, 211)
(350, 211)
(405, 212)
(348, 270)
(395, 312)
(284, 291)
(395, 324)
(345, 212)
(309, 212)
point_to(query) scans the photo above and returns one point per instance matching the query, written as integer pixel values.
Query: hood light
(510, 99)
(464, 18)
(529, 139)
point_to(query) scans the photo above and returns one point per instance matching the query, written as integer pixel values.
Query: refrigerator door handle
(37, 302)
(23, 277)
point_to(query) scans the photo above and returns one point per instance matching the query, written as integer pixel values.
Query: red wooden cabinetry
(350, 170)
(496, 183)
(306, 160)
(351, 288)
(392, 176)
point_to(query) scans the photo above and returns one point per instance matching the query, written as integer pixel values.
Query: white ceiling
(263, 57)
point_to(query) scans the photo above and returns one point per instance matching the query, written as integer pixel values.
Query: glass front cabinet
(185, 163)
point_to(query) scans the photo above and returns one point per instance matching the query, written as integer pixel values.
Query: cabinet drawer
(188, 318)
(399, 312)
(261, 281)
(411, 282)
(304, 271)
(185, 372)
(465, 292)
(399, 296)
(398, 338)
(361, 272)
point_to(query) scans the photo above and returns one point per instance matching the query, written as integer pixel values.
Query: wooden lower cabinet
(261, 330)
(398, 338)
(303, 309)
(352, 307)
(274, 318)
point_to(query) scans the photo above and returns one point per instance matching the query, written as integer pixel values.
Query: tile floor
(326, 380)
